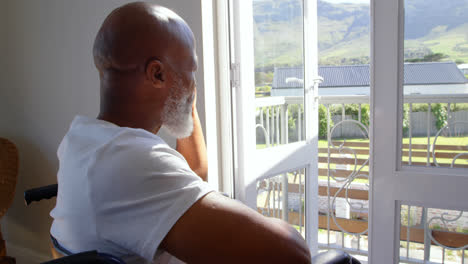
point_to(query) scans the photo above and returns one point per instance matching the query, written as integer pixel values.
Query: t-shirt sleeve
(139, 193)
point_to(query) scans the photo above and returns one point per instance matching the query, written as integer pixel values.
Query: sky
(337, 1)
(348, 1)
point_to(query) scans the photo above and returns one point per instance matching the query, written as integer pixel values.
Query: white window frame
(218, 101)
(391, 183)
(210, 92)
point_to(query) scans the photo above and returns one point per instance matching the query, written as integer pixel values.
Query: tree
(429, 57)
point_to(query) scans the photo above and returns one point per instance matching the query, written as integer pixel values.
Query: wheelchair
(94, 257)
(88, 257)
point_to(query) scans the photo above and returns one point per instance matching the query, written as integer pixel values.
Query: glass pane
(435, 113)
(344, 51)
(433, 234)
(271, 198)
(279, 77)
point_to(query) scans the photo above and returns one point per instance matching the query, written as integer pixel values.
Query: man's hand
(193, 148)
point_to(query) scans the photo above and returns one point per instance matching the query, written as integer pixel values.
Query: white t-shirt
(120, 191)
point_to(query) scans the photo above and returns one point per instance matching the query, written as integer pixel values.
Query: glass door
(276, 139)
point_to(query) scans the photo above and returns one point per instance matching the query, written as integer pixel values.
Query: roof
(359, 75)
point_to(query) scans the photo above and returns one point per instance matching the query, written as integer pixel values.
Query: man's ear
(155, 73)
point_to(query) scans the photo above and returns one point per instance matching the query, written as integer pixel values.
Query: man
(122, 190)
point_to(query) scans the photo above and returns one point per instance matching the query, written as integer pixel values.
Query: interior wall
(48, 77)
(3, 39)
(4, 102)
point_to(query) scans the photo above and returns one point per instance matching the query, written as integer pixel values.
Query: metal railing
(343, 165)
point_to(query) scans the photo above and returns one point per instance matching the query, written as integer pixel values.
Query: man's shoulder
(138, 142)
(104, 131)
(139, 150)
(131, 161)
(137, 139)
(91, 135)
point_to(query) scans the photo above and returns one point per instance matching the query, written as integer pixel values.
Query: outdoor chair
(94, 257)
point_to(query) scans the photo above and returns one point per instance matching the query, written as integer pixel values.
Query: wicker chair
(9, 163)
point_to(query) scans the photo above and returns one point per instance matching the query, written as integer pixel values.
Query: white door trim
(223, 97)
(311, 122)
(244, 99)
(384, 95)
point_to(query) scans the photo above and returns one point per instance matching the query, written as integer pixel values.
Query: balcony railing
(343, 169)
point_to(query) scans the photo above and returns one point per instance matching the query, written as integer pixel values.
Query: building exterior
(419, 78)
(463, 68)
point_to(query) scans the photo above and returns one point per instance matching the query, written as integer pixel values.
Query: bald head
(146, 61)
(136, 32)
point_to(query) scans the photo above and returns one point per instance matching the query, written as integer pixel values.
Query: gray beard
(177, 112)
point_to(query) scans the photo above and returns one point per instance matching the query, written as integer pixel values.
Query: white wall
(3, 51)
(436, 89)
(50, 78)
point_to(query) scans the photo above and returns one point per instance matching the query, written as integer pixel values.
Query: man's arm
(217, 229)
(193, 148)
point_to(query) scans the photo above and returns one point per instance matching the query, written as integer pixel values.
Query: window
(317, 103)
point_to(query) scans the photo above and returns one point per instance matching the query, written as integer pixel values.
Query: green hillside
(343, 32)
(278, 43)
(453, 43)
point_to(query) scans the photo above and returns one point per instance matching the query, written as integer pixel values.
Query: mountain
(422, 16)
(343, 31)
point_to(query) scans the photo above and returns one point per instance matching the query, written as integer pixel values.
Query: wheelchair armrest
(37, 194)
(87, 257)
(83, 257)
(334, 257)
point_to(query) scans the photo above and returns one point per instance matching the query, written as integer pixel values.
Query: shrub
(292, 119)
(405, 119)
(438, 110)
(353, 110)
(265, 88)
(323, 121)
(440, 114)
(459, 107)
